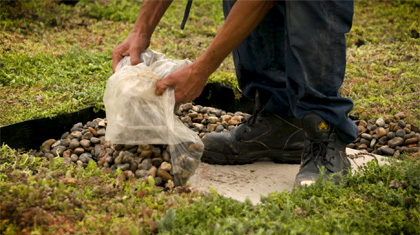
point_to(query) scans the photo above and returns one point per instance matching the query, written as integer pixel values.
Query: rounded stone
(156, 151)
(97, 150)
(401, 123)
(74, 143)
(400, 133)
(166, 156)
(124, 166)
(76, 134)
(380, 122)
(219, 128)
(127, 156)
(213, 120)
(85, 143)
(366, 136)
(164, 175)
(101, 132)
(152, 171)
(387, 151)
(58, 151)
(382, 140)
(413, 140)
(395, 142)
(157, 161)
(67, 153)
(365, 141)
(146, 153)
(95, 140)
(363, 123)
(390, 135)
(362, 146)
(85, 157)
(87, 136)
(74, 157)
(372, 143)
(158, 181)
(46, 146)
(362, 129)
(146, 164)
(166, 166)
(381, 132)
(141, 173)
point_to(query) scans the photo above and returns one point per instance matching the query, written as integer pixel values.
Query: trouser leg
(260, 60)
(316, 61)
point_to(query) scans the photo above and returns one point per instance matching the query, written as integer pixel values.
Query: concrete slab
(260, 178)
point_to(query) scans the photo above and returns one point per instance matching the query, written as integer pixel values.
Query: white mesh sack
(135, 115)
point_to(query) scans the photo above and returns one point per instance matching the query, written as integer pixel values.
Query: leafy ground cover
(56, 58)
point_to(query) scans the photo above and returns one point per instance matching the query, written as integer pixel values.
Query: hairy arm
(188, 82)
(139, 38)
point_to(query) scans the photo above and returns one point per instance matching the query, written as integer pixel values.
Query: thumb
(162, 85)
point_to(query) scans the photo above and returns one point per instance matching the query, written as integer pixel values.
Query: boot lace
(317, 150)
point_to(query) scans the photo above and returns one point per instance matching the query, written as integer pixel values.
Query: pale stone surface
(260, 178)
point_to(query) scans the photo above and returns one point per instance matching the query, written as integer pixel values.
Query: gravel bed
(86, 142)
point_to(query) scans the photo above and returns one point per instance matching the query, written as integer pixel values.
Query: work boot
(263, 135)
(323, 149)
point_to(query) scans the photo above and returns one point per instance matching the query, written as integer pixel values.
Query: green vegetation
(46, 196)
(56, 58)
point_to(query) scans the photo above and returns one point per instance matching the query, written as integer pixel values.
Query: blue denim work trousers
(296, 58)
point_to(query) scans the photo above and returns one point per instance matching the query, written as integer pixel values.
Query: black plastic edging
(32, 133)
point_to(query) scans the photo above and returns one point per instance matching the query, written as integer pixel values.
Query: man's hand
(139, 39)
(188, 82)
(133, 46)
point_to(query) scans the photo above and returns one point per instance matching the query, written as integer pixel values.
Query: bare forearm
(150, 14)
(241, 21)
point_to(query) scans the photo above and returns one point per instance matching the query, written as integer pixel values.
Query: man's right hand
(132, 46)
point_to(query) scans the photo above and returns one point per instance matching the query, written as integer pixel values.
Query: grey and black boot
(264, 135)
(323, 149)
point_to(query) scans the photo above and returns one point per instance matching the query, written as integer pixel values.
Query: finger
(162, 85)
(135, 56)
(117, 56)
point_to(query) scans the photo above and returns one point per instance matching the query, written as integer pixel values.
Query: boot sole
(277, 156)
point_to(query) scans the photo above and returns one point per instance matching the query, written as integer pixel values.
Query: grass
(56, 58)
(45, 196)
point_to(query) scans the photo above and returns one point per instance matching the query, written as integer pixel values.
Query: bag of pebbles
(136, 116)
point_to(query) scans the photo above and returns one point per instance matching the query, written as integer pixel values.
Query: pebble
(386, 136)
(46, 146)
(95, 140)
(366, 136)
(123, 166)
(164, 175)
(101, 132)
(381, 132)
(166, 166)
(387, 151)
(74, 143)
(397, 141)
(85, 143)
(141, 173)
(58, 151)
(74, 157)
(146, 153)
(219, 128)
(380, 122)
(157, 161)
(146, 164)
(400, 133)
